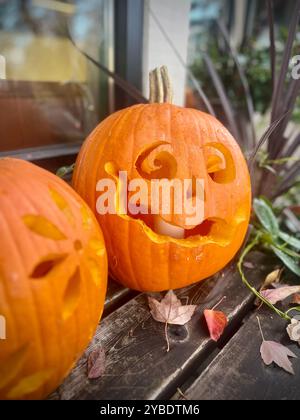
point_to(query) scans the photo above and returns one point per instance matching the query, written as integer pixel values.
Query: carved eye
(157, 162)
(219, 163)
(46, 266)
(41, 226)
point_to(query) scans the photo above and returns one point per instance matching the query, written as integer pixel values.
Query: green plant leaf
(284, 248)
(290, 240)
(266, 216)
(288, 261)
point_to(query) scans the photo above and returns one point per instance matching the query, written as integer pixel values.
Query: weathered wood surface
(138, 366)
(116, 294)
(238, 372)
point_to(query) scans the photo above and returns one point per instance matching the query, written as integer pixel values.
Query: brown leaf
(216, 322)
(272, 278)
(96, 363)
(170, 310)
(277, 285)
(296, 299)
(279, 294)
(275, 352)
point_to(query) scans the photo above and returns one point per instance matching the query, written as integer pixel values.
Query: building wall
(173, 15)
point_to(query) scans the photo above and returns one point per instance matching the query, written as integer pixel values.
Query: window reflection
(51, 93)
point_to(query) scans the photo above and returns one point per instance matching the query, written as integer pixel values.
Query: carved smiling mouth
(211, 231)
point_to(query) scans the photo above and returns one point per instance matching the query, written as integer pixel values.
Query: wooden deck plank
(238, 372)
(138, 366)
(115, 295)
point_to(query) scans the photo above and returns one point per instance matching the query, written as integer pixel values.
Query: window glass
(51, 93)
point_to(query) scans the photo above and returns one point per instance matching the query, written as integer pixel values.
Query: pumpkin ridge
(28, 287)
(168, 266)
(139, 118)
(170, 135)
(84, 294)
(116, 131)
(41, 333)
(61, 360)
(50, 285)
(6, 291)
(84, 151)
(100, 147)
(201, 143)
(185, 140)
(74, 316)
(30, 306)
(12, 365)
(140, 111)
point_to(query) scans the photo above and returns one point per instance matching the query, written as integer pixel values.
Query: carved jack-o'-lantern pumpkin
(160, 141)
(53, 276)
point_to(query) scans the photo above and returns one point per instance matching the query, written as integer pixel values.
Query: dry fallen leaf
(170, 311)
(216, 322)
(277, 285)
(96, 363)
(293, 330)
(272, 279)
(279, 294)
(272, 352)
(275, 352)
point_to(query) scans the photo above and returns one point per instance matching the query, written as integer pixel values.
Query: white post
(173, 16)
(2, 67)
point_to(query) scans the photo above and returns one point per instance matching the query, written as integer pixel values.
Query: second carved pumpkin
(53, 277)
(161, 141)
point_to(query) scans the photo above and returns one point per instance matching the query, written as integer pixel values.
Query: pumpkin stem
(160, 86)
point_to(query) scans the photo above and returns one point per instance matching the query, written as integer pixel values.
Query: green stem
(65, 170)
(284, 248)
(160, 86)
(295, 308)
(246, 251)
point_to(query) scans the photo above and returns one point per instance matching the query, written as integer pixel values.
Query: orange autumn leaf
(216, 323)
(296, 299)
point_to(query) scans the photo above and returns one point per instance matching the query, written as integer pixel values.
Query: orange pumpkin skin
(139, 258)
(53, 277)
